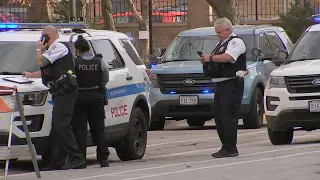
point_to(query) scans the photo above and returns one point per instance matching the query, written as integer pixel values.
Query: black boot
(73, 162)
(104, 163)
(217, 153)
(230, 152)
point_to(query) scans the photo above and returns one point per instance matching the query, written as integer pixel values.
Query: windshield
(307, 48)
(185, 48)
(18, 56)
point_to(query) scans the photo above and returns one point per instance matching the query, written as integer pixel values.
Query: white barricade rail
(10, 102)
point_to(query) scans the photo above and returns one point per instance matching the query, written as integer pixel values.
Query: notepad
(18, 80)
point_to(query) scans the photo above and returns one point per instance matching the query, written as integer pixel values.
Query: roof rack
(13, 26)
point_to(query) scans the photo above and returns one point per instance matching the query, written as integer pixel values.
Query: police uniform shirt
(104, 68)
(235, 48)
(56, 51)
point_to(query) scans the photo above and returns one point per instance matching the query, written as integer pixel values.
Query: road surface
(181, 152)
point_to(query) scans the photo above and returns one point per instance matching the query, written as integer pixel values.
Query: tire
(254, 119)
(157, 124)
(133, 145)
(280, 137)
(196, 122)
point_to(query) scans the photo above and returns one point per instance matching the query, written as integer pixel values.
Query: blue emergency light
(317, 19)
(205, 91)
(17, 26)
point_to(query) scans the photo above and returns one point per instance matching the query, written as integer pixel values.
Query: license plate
(188, 100)
(314, 106)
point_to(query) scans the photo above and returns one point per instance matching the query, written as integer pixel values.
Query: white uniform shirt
(235, 48)
(56, 51)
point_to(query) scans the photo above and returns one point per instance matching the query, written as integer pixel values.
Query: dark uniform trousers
(90, 108)
(227, 103)
(62, 140)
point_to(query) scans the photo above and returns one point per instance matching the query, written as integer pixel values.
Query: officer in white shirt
(226, 66)
(57, 68)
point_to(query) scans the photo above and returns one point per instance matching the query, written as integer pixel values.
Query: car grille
(302, 84)
(185, 83)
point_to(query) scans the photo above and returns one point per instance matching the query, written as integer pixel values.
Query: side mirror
(280, 57)
(156, 52)
(256, 52)
(99, 55)
(282, 54)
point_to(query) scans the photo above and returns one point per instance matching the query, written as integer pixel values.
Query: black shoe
(217, 153)
(73, 163)
(83, 166)
(228, 153)
(104, 163)
(50, 168)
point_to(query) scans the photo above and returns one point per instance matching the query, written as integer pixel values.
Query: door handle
(129, 78)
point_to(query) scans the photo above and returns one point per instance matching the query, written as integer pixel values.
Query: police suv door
(117, 112)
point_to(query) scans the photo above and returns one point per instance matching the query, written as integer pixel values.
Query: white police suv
(292, 96)
(128, 112)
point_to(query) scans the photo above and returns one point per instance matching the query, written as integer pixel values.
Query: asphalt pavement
(182, 152)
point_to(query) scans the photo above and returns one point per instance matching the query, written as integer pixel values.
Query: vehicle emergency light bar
(17, 26)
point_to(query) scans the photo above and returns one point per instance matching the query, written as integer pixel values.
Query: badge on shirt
(221, 48)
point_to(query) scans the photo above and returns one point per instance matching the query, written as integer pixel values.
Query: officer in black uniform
(57, 68)
(92, 76)
(226, 66)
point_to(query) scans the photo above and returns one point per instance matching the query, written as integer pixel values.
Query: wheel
(254, 118)
(157, 124)
(133, 145)
(280, 137)
(196, 122)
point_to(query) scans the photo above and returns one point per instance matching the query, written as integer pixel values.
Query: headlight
(34, 98)
(276, 82)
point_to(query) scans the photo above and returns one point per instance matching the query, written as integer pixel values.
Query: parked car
(293, 91)
(178, 78)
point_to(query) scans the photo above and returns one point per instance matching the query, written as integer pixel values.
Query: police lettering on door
(89, 67)
(119, 111)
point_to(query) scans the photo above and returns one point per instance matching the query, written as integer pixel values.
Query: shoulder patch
(233, 43)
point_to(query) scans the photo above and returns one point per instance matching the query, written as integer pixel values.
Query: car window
(275, 41)
(109, 53)
(131, 52)
(265, 45)
(307, 48)
(185, 48)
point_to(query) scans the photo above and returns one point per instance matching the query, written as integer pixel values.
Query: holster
(63, 85)
(103, 91)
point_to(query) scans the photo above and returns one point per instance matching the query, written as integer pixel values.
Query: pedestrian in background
(92, 77)
(226, 66)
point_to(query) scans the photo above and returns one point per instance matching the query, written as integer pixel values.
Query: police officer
(57, 67)
(92, 76)
(226, 66)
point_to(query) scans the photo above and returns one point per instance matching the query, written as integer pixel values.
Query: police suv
(293, 91)
(128, 112)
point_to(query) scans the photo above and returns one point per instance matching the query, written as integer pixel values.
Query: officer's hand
(205, 58)
(41, 44)
(27, 74)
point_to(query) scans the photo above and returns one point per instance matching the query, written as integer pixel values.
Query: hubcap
(137, 136)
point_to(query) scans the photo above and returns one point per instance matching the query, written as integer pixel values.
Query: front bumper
(284, 110)
(168, 105)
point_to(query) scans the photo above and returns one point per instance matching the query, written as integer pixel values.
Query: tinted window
(185, 47)
(275, 41)
(307, 48)
(109, 53)
(130, 51)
